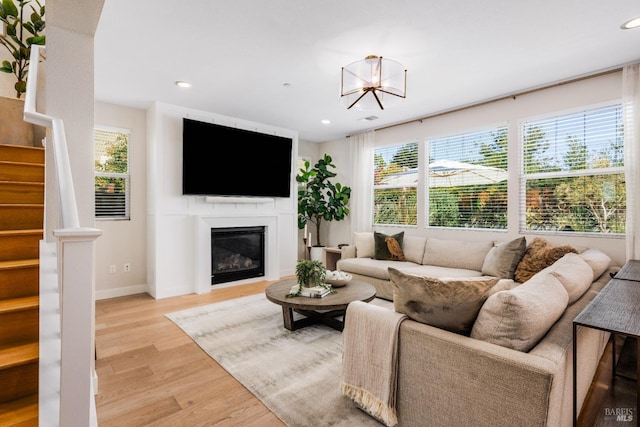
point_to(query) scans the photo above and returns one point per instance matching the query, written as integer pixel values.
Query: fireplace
(237, 253)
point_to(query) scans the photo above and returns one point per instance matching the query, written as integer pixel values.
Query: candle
(309, 240)
(305, 230)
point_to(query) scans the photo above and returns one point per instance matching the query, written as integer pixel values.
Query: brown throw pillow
(388, 247)
(539, 255)
(451, 304)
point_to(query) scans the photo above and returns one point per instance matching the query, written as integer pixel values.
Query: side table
(330, 257)
(616, 309)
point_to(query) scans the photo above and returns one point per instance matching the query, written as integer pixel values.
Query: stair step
(20, 244)
(19, 318)
(18, 382)
(18, 304)
(21, 192)
(18, 355)
(19, 278)
(21, 153)
(21, 216)
(21, 412)
(21, 172)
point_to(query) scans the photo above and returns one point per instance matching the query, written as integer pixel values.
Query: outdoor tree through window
(396, 184)
(111, 174)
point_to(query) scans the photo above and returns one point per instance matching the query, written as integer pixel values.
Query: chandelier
(384, 79)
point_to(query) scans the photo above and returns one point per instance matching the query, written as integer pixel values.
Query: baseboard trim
(121, 292)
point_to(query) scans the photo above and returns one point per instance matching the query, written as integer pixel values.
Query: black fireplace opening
(236, 253)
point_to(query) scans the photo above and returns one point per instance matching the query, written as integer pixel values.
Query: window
(468, 180)
(111, 173)
(395, 185)
(573, 172)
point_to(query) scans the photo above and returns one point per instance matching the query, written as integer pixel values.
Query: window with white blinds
(572, 172)
(467, 180)
(111, 173)
(395, 185)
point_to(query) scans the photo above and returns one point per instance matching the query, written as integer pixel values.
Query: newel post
(76, 263)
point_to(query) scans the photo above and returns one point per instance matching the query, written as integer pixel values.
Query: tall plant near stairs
(319, 199)
(24, 27)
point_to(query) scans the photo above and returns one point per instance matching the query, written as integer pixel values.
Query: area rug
(295, 374)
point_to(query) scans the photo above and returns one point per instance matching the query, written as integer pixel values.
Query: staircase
(21, 224)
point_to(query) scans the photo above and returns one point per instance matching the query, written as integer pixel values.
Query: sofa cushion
(388, 247)
(456, 253)
(574, 273)
(372, 267)
(520, 317)
(597, 260)
(446, 303)
(539, 255)
(413, 247)
(435, 271)
(503, 258)
(365, 246)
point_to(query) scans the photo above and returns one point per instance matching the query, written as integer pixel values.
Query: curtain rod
(503, 97)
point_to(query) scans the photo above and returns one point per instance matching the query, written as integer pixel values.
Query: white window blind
(395, 184)
(467, 180)
(572, 172)
(111, 174)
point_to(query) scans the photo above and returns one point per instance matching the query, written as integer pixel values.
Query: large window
(467, 180)
(111, 173)
(573, 172)
(395, 185)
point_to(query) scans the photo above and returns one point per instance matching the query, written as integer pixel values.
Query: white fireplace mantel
(203, 226)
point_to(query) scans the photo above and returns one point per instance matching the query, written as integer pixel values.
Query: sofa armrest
(449, 379)
(348, 251)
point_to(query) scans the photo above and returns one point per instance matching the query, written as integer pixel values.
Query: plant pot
(15, 130)
(316, 253)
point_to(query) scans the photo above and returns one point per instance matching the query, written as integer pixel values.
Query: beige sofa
(489, 377)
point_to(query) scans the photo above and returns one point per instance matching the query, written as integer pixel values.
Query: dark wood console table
(615, 309)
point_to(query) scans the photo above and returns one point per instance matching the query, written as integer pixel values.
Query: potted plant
(23, 28)
(310, 274)
(319, 199)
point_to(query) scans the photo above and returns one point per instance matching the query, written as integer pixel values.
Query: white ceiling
(238, 54)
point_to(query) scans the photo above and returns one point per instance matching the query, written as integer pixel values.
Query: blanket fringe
(370, 404)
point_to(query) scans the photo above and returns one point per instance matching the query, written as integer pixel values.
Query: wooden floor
(151, 373)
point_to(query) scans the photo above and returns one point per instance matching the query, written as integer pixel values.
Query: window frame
(119, 175)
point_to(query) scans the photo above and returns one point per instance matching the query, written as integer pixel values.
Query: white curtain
(362, 149)
(631, 108)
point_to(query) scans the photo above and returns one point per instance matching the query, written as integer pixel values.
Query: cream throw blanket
(369, 360)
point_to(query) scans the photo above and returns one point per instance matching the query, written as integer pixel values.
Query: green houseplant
(319, 199)
(310, 273)
(22, 29)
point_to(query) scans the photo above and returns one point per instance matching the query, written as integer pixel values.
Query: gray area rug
(295, 374)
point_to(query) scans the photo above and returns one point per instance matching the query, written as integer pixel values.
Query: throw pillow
(388, 247)
(574, 273)
(520, 317)
(539, 255)
(451, 304)
(364, 244)
(503, 258)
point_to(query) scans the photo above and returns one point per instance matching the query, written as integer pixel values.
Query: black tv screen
(224, 161)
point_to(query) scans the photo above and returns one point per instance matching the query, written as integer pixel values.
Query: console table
(616, 309)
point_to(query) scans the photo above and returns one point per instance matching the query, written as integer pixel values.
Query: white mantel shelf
(247, 200)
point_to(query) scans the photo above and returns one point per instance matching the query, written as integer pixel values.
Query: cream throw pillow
(365, 244)
(450, 304)
(520, 317)
(574, 273)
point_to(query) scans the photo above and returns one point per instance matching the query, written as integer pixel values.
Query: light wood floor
(151, 373)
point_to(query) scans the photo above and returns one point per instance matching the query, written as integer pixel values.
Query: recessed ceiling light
(325, 121)
(181, 83)
(633, 23)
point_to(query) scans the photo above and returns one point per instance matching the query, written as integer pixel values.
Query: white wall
(173, 219)
(125, 241)
(560, 98)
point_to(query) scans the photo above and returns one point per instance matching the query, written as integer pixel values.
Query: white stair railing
(67, 367)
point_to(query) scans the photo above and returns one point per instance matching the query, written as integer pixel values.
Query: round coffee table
(324, 310)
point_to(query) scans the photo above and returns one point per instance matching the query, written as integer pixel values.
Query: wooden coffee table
(318, 310)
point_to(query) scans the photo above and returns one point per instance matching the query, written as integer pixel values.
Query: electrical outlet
(112, 268)
(126, 267)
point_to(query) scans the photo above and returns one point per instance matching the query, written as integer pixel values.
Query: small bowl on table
(338, 283)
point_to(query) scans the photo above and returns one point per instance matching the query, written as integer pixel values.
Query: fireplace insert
(236, 253)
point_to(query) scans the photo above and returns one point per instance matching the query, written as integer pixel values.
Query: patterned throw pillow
(388, 247)
(451, 304)
(539, 255)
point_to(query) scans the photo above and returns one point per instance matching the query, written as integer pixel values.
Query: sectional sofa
(512, 364)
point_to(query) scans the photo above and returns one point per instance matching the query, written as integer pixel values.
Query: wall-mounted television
(225, 161)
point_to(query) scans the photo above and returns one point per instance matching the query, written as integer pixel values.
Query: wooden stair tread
(18, 355)
(26, 232)
(19, 304)
(20, 412)
(20, 263)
